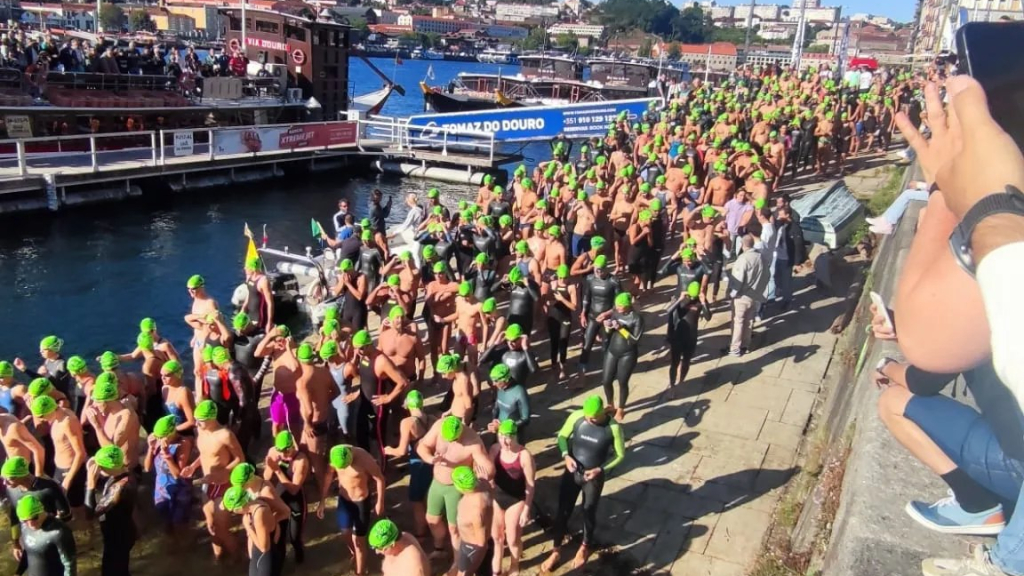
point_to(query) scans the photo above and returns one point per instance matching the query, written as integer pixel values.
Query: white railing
(91, 153)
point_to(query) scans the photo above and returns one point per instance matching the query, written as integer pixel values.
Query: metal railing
(92, 153)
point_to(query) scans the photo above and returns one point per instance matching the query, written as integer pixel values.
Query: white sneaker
(874, 220)
(979, 564)
(884, 228)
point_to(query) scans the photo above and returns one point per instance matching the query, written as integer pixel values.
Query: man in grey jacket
(747, 282)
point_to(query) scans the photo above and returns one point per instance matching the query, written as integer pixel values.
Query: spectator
(107, 63)
(884, 224)
(747, 283)
(238, 64)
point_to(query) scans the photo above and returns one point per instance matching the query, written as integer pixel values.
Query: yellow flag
(251, 252)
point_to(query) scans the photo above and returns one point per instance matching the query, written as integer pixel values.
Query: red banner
(267, 139)
(315, 135)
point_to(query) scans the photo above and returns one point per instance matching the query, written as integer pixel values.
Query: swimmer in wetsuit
(45, 545)
(110, 493)
(523, 297)
(380, 384)
(560, 304)
(624, 327)
(264, 541)
(512, 401)
(598, 295)
(591, 444)
(286, 467)
(514, 352)
(370, 260)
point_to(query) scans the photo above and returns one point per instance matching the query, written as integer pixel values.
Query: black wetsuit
(621, 354)
(370, 421)
(559, 324)
(598, 297)
(370, 262)
(353, 311)
(349, 249)
(267, 562)
(248, 408)
(682, 337)
(115, 507)
(57, 373)
(49, 551)
(523, 297)
(520, 362)
(378, 216)
(49, 492)
(294, 525)
(484, 281)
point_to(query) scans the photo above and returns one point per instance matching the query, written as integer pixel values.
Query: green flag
(314, 228)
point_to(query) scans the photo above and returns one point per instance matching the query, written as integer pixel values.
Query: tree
(644, 51)
(567, 41)
(674, 51)
(818, 49)
(111, 17)
(536, 40)
(139, 20)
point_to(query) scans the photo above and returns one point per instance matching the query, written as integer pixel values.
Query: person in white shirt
(407, 229)
(865, 79)
(339, 216)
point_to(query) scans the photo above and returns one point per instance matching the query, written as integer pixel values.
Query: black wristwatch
(1009, 202)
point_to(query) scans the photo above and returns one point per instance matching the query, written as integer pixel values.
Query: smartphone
(876, 299)
(984, 53)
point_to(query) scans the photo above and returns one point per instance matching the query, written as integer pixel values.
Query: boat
(429, 54)
(491, 56)
(443, 102)
(300, 284)
(370, 104)
(283, 84)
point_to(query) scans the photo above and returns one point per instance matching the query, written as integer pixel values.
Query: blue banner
(535, 123)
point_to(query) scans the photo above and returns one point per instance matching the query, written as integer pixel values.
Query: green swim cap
(105, 388)
(305, 353)
(109, 361)
(687, 253)
(480, 258)
(660, 180)
(513, 332)
(562, 271)
(515, 274)
(693, 289)
(451, 428)
(283, 331)
(623, 300)
(383, 535)
(396, 312)
(504, 221)
(341, 456)
(448, 363)
(206, 410)
(14, 467)
(253, 263)
(235, 498)
(75, 365)
(438, 210)
(330, 327)
(433, 193)
(328, 350)
(489, 305)
(29, 507)
(554, 231)
(464, 479)
(144, 341)
(39, 387)
(440, 267)
(527, 183)
(414, 400)
(691, 241)
(538, 225)
(465, 288)
(331, 312)
(109, 458)
(51, 343)
(220, 355)
(508, 428)
(207, 353)
(757, 175)
(404, 255)
(346, 265)
(240, 321)
(593, 406)
(522, 247)
(242, 473)
(7, 369)
(500, 373)
(284, 440)
(43, 405)
(708, 211)
(597, 243)
(581, 195)
(644, 215)
(601, 261)
(195, 281)
(693, 180)
(394, 280)
(361, 338)
(165, 426)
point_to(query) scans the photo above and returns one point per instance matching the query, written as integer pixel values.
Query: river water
(90, 274)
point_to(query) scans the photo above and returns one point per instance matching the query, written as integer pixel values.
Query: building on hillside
(880, 21)
(429, 25)
(353, 14)
(716, 56)
(386, 17)
(766, 55)
(166, 20)
(505, 31)
(595, 31)
(777, 30)
(506, 12)
(813, 15)
(762, 11)
(64, 16)
(797, 4)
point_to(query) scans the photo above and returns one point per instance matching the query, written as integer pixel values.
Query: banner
(535, 123)
(254, 139)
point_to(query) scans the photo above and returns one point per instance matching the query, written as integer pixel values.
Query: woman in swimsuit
(169, 452)
(177, 398)
(514, 477)
(266, 553)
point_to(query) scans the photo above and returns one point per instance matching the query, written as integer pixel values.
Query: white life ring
(299, 57)
(234, 44)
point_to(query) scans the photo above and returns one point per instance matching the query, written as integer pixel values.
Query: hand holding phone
(881, 310)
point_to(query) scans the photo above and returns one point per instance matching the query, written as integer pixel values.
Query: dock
(93, 168)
